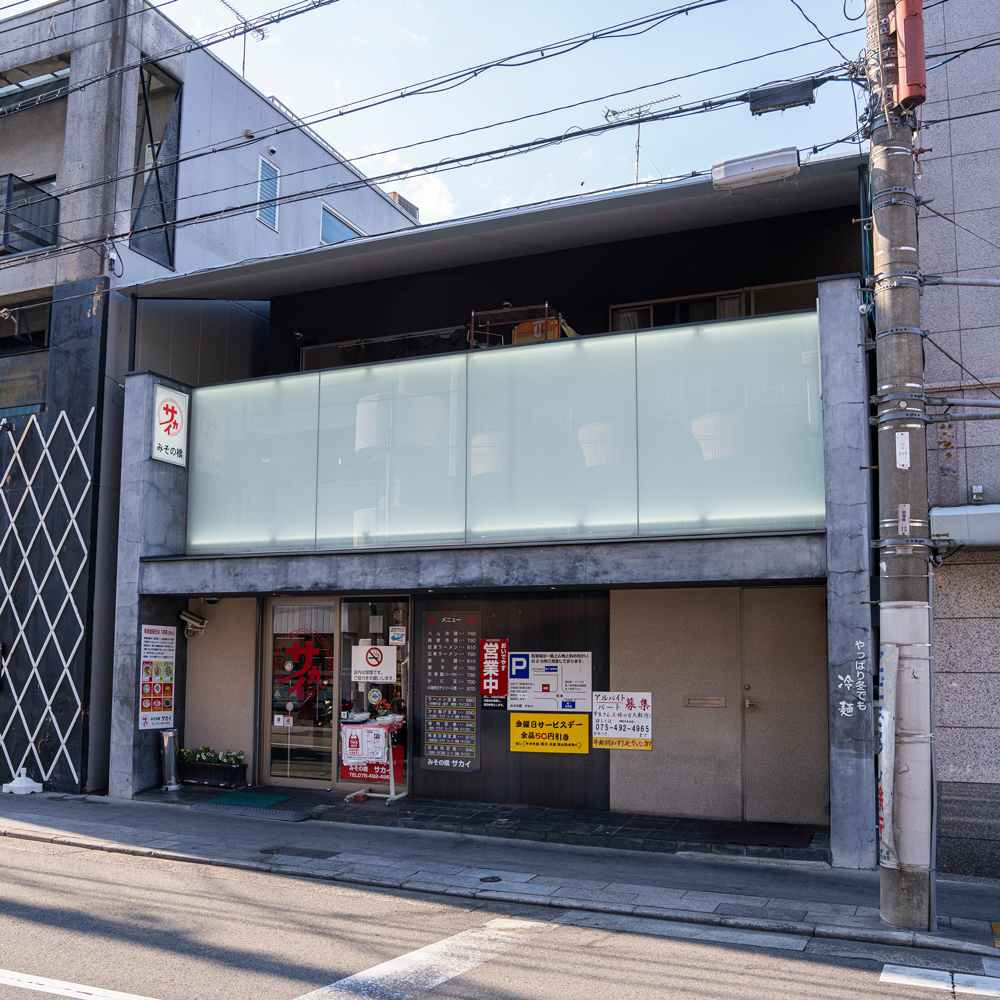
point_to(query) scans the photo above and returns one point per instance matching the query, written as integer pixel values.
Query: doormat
(249, 799)
(763, 835)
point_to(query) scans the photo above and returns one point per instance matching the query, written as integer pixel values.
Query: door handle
(750, 704)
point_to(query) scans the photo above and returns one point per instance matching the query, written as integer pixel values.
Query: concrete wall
(31, 144)
(965, 151)
(219, 701)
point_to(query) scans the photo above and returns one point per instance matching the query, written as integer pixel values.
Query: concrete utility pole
(897, 72)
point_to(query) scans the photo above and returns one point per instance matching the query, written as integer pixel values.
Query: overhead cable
(795, 4)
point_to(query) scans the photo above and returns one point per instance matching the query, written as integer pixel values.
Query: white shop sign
(622, 720)
(549, 682)
(373, 664)
(170, 425)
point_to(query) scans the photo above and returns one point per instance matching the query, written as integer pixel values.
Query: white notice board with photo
(156, 676)
(549, 682)
(373, 664)
(622, 720)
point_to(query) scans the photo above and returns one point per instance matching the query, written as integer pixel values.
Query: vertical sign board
(622, 720)
(170, 425)
(449, 642)
(156, 676)
(493, 673)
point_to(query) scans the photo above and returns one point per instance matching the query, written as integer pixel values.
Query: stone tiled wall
(967, 710)
(959, 169)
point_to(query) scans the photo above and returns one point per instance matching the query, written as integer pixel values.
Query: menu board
(156, 676)
(449, 645)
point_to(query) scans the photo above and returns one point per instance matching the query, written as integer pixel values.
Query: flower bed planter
(199, 772)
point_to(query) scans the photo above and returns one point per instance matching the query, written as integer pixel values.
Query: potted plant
(204, 766)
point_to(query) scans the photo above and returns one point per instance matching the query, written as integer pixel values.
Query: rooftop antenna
(636, 112)
(259, 33)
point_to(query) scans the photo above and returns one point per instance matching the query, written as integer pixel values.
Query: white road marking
(421, 970)
(938, 979)
(686, 932)
(56, 987)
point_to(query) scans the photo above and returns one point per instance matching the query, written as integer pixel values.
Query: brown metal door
(786, 768)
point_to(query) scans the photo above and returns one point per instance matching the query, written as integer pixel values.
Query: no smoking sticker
(373, 664)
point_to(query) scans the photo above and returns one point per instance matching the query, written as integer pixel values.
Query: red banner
(493, 672)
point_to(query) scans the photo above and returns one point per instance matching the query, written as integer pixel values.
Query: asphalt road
(173, 931)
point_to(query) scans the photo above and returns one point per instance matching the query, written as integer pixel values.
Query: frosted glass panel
(730, 432)
(552, 451)
(253, 469)
(392, 453)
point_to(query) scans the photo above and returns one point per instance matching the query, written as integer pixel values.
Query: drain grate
(257, 811)
(491, 878)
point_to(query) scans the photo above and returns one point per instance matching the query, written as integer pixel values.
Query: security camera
(194, 624)
(271, 150)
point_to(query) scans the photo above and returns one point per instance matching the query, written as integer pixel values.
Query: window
(333, 229)
(157, 147)
(267, 194)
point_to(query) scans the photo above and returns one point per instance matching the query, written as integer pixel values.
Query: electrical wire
(848, 16)
(192, 45)
(955, 118)
(683, 110)
(234, 143)
(948, 218)
(951, 357)
(795, 4)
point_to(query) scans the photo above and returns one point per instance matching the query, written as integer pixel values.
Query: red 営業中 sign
(493, 672)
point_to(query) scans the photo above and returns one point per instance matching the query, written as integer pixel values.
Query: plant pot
(200, 772)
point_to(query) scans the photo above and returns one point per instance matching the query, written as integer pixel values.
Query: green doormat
(250, 799)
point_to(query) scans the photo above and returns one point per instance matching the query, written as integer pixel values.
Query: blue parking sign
(519, 665)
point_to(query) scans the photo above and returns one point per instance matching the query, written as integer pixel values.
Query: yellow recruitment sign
(549, 732)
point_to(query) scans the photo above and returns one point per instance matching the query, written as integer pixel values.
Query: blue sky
(357, 48)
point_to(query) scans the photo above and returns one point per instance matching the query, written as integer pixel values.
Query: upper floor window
(333, 229)
(157, 147)
(267, 194)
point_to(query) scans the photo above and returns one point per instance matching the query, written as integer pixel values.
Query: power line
(682, 111)
(192, 45)
(795, 4)
(448, 164)
(235, 143)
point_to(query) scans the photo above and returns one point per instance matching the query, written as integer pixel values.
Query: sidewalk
(790, 898)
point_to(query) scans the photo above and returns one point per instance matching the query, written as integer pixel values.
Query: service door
(786, 775)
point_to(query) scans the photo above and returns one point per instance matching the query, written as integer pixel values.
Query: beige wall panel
(786, 734)
(676, 643)
(219, 703)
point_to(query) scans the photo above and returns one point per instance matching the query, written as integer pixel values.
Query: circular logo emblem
(374, 657)
(374, 696)
(170, 417)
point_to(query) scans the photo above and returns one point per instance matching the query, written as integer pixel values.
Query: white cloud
(430, 194)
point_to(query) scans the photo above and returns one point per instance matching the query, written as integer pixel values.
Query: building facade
(116, 128)
(608, 435)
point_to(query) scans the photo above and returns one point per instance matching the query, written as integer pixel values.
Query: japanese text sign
(548, 732)
(493, 672)
(156, 676)
(373, 664)
(623, 720)
(170, 420)
(549, 682)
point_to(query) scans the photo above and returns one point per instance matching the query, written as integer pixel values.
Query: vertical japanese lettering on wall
(449, 642)
(170, 425)
(156, 676)
(852, 686)
(493, 672)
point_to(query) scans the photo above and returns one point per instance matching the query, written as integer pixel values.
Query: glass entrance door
(374, 688)
(301, 685)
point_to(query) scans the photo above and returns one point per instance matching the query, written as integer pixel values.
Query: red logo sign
(373, 657)
(493, 667)
(170, 417)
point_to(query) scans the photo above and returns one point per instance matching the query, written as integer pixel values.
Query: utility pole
(897, 75)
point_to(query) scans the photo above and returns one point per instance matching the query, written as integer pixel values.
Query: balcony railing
(714, 428)
(30, 216)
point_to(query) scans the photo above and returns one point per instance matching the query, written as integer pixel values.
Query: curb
(899, 939)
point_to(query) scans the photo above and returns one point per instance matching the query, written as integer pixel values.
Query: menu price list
(450, 647)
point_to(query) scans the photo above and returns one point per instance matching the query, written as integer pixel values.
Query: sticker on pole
(373, 664)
